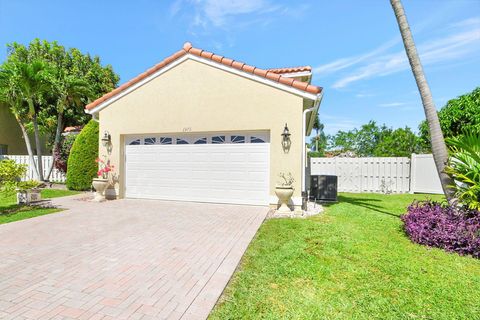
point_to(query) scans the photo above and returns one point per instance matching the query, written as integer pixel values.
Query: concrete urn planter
(28, 196)
(284, 194)
(100, 185)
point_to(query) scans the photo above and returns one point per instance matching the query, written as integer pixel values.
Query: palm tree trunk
(38, 147)
(29, 146)
(439, 148)
(56, 143)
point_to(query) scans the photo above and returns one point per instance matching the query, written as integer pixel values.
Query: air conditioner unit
(323, 188)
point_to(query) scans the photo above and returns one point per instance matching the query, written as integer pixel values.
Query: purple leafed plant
(447, 227)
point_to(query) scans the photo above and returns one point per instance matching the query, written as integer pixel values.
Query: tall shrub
(82, 167)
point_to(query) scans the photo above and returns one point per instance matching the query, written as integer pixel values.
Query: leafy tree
(372, 140)
(457, 116)
(439, 148)
(74, 79)
(401, 142)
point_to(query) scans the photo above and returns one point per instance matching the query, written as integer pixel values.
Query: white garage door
(223, 168)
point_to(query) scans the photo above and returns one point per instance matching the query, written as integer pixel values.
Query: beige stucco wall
(200, 98)
(10, 133)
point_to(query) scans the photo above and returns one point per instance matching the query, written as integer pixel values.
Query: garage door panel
(225, 173)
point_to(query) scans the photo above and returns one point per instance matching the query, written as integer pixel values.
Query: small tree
(82, 167)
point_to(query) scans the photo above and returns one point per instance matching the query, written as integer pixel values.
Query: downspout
(304, 140)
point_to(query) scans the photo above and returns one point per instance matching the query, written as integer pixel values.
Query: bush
(448, 227)
(61, 154)
(10, 175)
(82, 167)
(464, 168)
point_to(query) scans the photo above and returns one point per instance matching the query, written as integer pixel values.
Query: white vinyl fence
(56, 175)
(381, 174)
(424, 175)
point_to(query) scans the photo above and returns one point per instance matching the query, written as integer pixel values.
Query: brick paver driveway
(124, 259)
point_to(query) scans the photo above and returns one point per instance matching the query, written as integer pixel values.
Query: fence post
(413, 167)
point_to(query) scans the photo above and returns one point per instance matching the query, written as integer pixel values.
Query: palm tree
(70, 90)
(318, 126)
(439, 148)
(29, 84)
(10, 98)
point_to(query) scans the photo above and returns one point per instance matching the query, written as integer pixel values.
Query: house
(202, 127)
(11, 138)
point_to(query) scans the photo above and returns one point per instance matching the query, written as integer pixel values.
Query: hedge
(81, 164)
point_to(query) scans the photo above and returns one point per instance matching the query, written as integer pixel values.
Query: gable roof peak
(188, 49)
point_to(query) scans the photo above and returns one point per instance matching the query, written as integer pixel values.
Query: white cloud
(392, 104)
(377, 63)
(344, 63)
(219, 13)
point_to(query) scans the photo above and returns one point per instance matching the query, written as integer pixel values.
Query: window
(3, 149)
(256, 140)
(218, 139)
(201, 141)
(165, 140)
(135, 142)
(149, 141)
(181, 141)
(237, 139)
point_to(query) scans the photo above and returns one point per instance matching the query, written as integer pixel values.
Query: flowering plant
(105, 168)
(444, 226)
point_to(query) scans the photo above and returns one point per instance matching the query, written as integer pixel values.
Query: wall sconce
(286, 142)
(107, 141)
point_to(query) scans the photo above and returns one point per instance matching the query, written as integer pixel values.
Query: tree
(439, 148)
(401, 142)
(75, 80)
(372, 140)
(28, 85)
(457, 116)
(319, 141)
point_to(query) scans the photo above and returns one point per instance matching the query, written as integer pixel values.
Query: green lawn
(10, 211)
(351, 262)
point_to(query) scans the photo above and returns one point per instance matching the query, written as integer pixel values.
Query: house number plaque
(187, 129)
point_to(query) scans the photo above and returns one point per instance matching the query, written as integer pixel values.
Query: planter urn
(100, 185)
(284, 194)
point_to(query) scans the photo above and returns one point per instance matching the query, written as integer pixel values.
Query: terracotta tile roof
(73, 129)
(291, 69)
(272, 74)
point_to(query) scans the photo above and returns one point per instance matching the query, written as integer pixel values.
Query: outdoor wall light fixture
(286, 142)
(106, 139)
(107, 142)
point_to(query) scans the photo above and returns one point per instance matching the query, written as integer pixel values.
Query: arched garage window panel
(149, 141)
(201, 141)
(218, 139)
(165, 140)
(135, 142)
(237, 139)
(181, 141)
(254, 139)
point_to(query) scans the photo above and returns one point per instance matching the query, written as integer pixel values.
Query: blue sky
(353, 46)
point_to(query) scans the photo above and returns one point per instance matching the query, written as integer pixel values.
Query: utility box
(323, 188)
